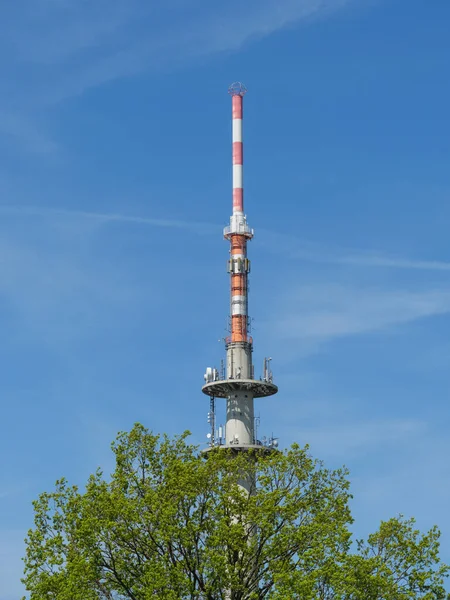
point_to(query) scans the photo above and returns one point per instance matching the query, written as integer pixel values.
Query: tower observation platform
(226, 387)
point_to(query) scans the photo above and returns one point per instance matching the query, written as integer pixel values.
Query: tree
(169, 524)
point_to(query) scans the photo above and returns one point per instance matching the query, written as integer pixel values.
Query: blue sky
(115, 183)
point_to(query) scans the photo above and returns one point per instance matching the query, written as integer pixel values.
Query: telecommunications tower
(236, 381)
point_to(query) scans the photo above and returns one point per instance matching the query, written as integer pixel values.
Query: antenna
(237, 89)
(257, 424)
(212, 421)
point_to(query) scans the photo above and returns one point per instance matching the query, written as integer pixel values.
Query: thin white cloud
(289, 246)
(322, 313)
(378, 260)
(35, 211)
(51, 50)
(292, 248)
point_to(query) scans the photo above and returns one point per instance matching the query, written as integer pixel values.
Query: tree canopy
(169, 524)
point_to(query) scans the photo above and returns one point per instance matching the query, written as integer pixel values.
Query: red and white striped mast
(238, 232)
(237, 92)
(238, 384)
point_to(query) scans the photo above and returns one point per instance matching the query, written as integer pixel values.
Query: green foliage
(171, 525)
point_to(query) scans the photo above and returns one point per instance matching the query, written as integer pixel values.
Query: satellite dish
(208, 435)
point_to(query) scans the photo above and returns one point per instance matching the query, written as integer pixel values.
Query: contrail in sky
(294, 247)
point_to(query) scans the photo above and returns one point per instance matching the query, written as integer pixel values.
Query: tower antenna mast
(237, 385)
